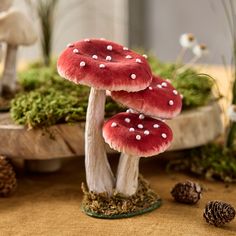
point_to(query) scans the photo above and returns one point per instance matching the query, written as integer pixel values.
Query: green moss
(211, 161)
(195, 88)
(47, 99)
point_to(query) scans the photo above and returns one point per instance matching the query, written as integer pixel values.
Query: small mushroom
(15, 29)
(159, 100)
(102, 65)
(187, 40)
(200, 50)
(140, 137)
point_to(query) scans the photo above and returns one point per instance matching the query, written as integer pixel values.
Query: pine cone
(7, 177)
(187, 192)
(218, 213)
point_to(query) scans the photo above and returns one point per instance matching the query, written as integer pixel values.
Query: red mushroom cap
(104, 64)
(137, 135)
(160, 99)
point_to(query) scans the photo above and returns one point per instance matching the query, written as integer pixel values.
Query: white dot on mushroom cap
(159, 86)
(138, 60)
(95, 57)
(131, 129)
(138, 137)
(175, 92)
(86, 40)
(164, 84)
(128, 57)
(133, 76)
(145, 56)
(102, 66)
(127, 120)
(109, 47)
(182, 96)
(163, 135)
(140, 126)
(156, 126)
(168, 81)
(171, 102)
(108, 58)
(70, 45)
(150, 88)
(125, 49)
(75, 51)
(141, 116)
(146, 132)
(130, 110)
(82, 63)
(113, 124)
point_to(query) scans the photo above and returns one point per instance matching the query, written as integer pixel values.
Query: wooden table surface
(49, 205)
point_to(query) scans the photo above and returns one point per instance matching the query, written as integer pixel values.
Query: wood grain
(191, 129)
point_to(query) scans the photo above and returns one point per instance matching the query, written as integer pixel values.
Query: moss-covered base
(118, 206)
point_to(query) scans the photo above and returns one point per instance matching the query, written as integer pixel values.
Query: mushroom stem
(127, 174)
(9, 73)
(98, 172)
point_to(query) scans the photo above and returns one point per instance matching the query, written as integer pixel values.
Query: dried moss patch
(118, 206)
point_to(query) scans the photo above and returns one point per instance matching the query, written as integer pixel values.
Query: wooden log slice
(191, 129)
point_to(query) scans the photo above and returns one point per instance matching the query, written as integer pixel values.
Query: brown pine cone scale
(7, 177)
(218, 213)
(187, 192)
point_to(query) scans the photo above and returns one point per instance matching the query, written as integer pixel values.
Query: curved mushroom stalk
(127, 174)
(9, 73)
(98, 172)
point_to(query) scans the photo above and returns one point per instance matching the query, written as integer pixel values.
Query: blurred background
(151, 24)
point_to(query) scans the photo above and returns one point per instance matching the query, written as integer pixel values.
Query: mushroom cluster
(15, 30)
(104, 65)
(146, 136)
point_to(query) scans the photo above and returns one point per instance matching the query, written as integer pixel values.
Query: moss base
(118, 206)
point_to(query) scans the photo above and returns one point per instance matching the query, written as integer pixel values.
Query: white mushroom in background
(187, 40)
(4, 6)
(15, 30)
(200, 50)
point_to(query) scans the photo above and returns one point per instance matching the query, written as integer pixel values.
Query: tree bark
(98, 172)
(127, 174)
(9, 73)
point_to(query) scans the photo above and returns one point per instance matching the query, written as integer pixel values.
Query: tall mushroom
(135, 136)
(102, 65)
(15, 29)
(159, 100)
